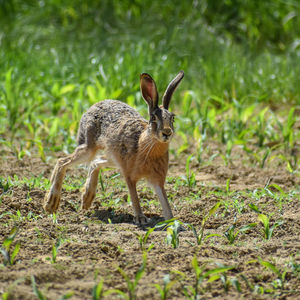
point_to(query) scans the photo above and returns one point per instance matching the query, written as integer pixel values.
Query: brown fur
(137, 147)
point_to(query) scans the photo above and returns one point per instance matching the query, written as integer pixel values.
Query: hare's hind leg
(81, 154)
(91, 183)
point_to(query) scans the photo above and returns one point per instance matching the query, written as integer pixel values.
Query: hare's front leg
(162, 195)
(81, 154)
(91, 183)
(139, 217)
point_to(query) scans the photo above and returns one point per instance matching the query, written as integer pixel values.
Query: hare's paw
(141, 220)
(51, 202)
(87, 199)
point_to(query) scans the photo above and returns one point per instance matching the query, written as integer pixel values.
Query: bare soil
(103, 239)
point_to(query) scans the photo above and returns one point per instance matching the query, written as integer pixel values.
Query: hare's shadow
(110, 216)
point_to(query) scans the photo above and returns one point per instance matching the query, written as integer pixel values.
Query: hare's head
(161, 120)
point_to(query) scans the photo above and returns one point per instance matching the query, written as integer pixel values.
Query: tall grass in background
(59, 57)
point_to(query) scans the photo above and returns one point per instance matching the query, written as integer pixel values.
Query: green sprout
(9, 257)
(189, 177)
(199, 236)
(144, 238)
(267, 230)
(165, 288)
(279, 282)
(55, 247)
(132, 284)
(36, 291)
(192, 292)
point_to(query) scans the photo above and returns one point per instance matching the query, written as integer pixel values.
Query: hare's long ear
(149, 91)
(171, 88)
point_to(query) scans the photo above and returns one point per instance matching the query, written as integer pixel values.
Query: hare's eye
(152, 118)
(172, 118)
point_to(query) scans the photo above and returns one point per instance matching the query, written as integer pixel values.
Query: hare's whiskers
(145, 145)
(150, 150)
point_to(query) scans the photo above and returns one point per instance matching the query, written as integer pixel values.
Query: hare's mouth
(166, 137)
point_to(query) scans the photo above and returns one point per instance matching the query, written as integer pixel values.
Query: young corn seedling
(200, 236)
(173, 227)
(264, 158)
(173, 234)
(287, 129)
(228, 282)
(279, 282)
(265, 220)
(36, 291)
(185, 145)
(200, 138)
(132, 284)
(189, 177)
(254, 208)
(55, 247)
(192, 292)
(267, 230)
(101, 181)
(232, 233)
(9, 258)
(5, 296)
(97, 292)
(295, 267)
(66, 296)
(144, 238)
(165, 288)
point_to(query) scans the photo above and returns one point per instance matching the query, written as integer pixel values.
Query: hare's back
(102, 117)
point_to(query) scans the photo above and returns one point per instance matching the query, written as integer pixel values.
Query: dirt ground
(98, 242)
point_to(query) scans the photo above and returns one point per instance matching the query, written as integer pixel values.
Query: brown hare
(139, 148)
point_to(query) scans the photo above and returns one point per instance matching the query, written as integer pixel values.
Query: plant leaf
(213, 209)
(269, 266)
(97, 290)
(15, 253)
(217, 271)
(254, 208)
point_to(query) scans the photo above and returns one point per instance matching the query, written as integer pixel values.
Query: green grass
(55, 65)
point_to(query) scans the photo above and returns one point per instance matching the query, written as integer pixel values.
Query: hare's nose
(167, 131)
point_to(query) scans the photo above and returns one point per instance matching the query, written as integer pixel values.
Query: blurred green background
(239, 56)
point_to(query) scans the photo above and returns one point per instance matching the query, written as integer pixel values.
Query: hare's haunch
(139, 148)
